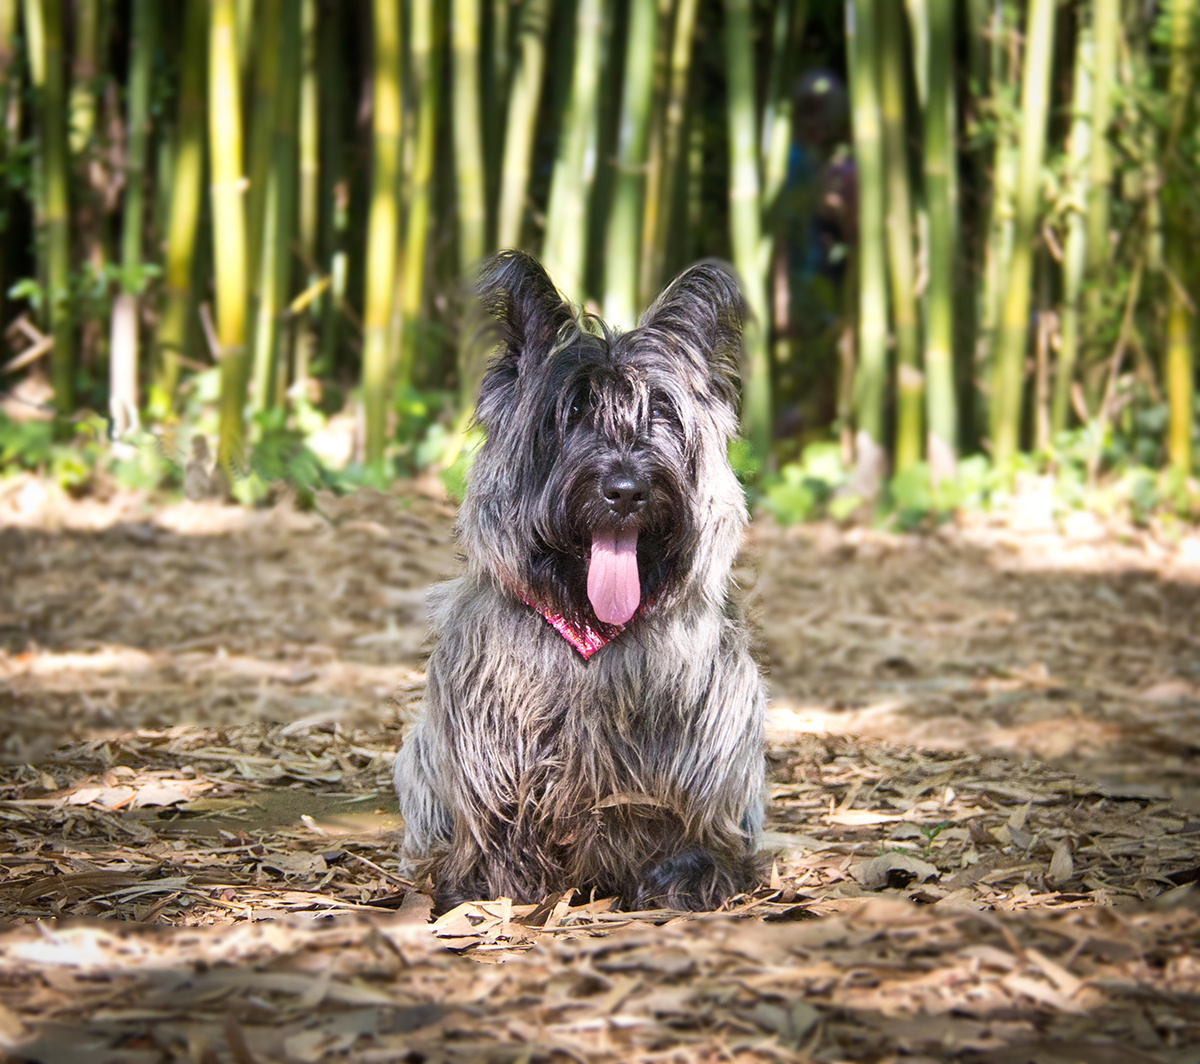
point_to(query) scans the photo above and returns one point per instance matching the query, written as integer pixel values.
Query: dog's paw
(694, 880)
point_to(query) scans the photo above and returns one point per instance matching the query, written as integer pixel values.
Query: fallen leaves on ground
(982, 840)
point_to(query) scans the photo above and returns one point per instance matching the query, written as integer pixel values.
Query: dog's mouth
(614, 587)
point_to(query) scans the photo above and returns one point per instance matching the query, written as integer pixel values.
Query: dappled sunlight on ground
(984, 745)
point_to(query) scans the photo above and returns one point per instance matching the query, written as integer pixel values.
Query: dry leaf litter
(983, 839)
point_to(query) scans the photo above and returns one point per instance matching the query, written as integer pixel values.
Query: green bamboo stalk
(383, 223)
(229, 227)
(84, 69)
(35, 41)
(998, 244)
(245, 43)
(8, 29)
(745, 221)
(184, 221)
(790, 17)
(141, 55)
(1008, 377)
(863, 49)
(468, 140)
(657, 230)
(565, 249)
(262, 127)
(652, 193)
(1106, 24)
(621, 243)
(910, 390)
(56, 212)
(1075, 254)
(278, 215)
(941, 161)
(425, 51)
(1179, 369)
(523, 103)
(335, 214)
(310, 186)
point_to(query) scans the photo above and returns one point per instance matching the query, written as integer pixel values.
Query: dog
(593, 716)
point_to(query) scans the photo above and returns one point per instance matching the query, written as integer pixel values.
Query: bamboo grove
(960, 225)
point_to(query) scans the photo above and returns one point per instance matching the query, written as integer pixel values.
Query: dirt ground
(982, 845)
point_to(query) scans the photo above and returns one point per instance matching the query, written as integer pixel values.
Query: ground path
(985, 751)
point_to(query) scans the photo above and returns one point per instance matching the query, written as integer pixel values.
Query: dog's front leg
(719, 769)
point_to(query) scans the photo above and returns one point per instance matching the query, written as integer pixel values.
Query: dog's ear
(517, 293)
(701, 313)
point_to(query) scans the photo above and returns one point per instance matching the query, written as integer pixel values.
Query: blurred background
(239, 235)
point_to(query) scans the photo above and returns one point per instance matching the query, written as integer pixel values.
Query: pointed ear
(518, 294)
(701, 313)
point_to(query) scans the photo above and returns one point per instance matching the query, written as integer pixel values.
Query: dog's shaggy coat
(637, 771)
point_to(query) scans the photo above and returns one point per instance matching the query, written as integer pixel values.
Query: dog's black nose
(624, 494)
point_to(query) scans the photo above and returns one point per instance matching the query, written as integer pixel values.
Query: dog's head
(603, 486)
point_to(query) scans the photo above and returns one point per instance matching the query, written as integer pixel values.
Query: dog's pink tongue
(613, 585)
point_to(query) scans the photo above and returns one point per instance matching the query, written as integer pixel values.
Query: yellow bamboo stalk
(382, 224)
(229, 225)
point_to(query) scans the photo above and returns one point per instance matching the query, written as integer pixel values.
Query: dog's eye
(660, 413)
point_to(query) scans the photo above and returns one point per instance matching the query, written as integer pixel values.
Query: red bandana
(586, 640)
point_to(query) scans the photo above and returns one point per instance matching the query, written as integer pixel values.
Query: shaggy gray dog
(594, 718)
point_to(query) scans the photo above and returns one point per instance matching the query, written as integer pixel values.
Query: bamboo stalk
(1076, 252)
(184, 220)
(335, 215)
(383, 223)
(656, 233)
(229, 227)
(262, 127)
(790, 18)
(56, 213)
(278, 215)
(84, 70)
(910, 391)
(869, 383)
(745, 220)
(123, 347)
(8, 139)
(1106, 23)
(941, 161)
(621, 243)
(565, 249)
(523, 103)
(468, 140)
(309, 166)
(426, 54)
(1179, 367)
(1009, 371)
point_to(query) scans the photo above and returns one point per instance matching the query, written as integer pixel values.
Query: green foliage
(455, 476)
(806, 489)
(65, 452)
